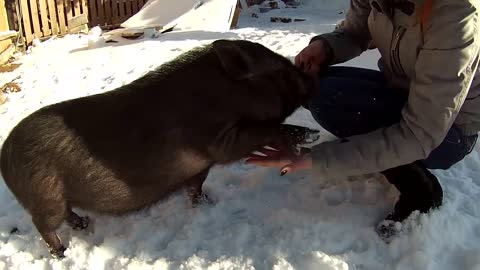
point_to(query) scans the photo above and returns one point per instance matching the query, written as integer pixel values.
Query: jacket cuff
(340, 46)
(328, 48)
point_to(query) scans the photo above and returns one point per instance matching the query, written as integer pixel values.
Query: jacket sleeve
(443, 74)
(352, 37)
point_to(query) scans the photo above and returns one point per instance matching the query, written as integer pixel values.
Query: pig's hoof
(202, 199)
(80, 223)
(207, 200)
(58, 253)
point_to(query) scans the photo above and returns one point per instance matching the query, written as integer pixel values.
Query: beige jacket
(438, 68)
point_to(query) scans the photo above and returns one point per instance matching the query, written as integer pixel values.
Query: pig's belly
(119, 197)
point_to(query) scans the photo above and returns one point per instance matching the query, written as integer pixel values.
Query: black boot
(419, 190)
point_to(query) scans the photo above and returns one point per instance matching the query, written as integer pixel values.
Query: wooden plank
(52, 10)
(35, 20)
(78, 29)
(139, 4)
(243, 4)
(6, 54)
(128, 9)
(100, 12)
(115, 18)
(84, 5)
(76, 7)
(61, 17)
(236, 15)
(4, 35)
(121, 6)
(92, 12)
(134, 7)
(108, 11)
(44, 16)
(4, 26)
(68, 9)
(78, 20)
(26, 21)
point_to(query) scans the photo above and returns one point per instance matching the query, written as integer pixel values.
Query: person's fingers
(298, 59)
(266, 157)
(285, 170)
(288, 168)
(304, 162)
(310, 67)
(302, 61)
(266, 152)
(313, 70)
(267, 162)
(269, 155)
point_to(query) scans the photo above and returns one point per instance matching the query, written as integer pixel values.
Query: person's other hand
(311, 59)
(282, 159)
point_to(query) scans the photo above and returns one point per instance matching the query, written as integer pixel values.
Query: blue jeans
(350, 101)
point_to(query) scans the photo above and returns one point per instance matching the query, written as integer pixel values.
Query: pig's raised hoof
(202, 199)
(82, 223)
(78, 223)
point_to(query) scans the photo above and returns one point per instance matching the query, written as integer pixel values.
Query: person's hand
(282, 159)
(311, 59)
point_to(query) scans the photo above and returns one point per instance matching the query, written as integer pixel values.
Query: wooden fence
(113, 12)
(43, 18)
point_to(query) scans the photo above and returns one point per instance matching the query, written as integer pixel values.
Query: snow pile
(261, 220)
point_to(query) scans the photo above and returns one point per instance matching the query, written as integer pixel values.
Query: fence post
(3, 25)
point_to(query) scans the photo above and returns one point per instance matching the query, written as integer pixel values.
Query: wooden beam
(78, 20)
(26, 21)
(61, 17)
(52, 11)
(37, 31)
(7, 54)
(5, 35)
(44, 15)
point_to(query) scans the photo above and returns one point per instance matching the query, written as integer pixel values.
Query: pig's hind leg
(47, 220)
(48, 208)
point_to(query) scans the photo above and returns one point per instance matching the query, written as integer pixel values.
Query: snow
(185, 15)
(260, 220)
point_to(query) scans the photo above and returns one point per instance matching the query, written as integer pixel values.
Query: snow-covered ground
(261, 220)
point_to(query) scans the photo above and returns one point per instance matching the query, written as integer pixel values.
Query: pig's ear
(244, 59)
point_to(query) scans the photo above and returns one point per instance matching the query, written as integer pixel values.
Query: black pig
(123, 150)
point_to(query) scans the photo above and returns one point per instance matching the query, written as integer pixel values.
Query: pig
(126, 149)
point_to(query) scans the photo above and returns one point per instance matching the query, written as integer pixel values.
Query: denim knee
(451, 151)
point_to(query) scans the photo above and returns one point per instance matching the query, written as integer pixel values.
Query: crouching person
(421, 111)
